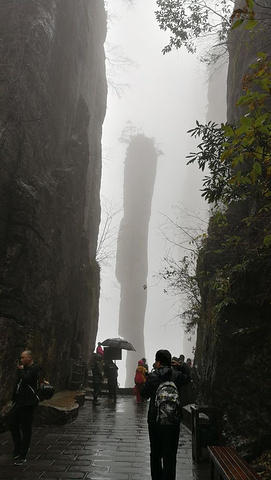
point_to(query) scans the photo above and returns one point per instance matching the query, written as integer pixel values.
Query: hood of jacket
(163, 373)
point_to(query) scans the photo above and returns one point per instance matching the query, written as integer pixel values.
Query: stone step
(62, 408)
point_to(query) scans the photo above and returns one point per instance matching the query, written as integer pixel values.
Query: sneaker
(16, 455)
(20, 461)
(96, 403)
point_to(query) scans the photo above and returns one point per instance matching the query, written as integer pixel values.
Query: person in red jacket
(140, 379)
(100, 349)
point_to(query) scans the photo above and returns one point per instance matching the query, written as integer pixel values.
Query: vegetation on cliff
(207, 21)
(237, 186)
(233, 268)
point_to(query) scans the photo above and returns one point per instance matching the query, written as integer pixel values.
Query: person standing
(164, 438)
(189, 364)
(180, 365)
(145, 365)
(97, 373)
(140, 379)
(111, 372)
(24, 401)
(100, 349)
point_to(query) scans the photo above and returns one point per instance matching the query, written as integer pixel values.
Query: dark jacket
(97, 372)
(26, 386)
(111, 370)
(184, 368)
(154, 379)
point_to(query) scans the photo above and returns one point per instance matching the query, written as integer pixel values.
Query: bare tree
(186, 232)
(116, 61)
(106, 248)
(116, 64)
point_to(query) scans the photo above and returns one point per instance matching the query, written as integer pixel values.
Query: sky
(164, 97)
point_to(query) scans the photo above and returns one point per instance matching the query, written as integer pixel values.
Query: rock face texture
(233, 353)
(244, 47)
(132, 249)
(52, 106)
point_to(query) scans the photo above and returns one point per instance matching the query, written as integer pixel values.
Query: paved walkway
(105, 442)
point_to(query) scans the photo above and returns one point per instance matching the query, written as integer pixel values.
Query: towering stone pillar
(132, 252)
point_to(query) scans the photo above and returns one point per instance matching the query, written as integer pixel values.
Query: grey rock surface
(52, 106)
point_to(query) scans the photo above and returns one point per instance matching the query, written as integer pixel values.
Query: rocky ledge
(61, 409)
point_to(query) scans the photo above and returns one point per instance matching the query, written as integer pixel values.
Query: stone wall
(52, 106)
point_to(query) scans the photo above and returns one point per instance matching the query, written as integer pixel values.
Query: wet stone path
(105, 442)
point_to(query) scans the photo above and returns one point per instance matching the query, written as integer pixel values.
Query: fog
(164, 97)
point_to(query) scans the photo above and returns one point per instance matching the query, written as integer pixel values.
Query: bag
(167, 403)
(45, 391)
(134, 390)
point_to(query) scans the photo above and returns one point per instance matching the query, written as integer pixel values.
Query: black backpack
(45, 391)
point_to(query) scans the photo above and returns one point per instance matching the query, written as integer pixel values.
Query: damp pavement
(109, 441)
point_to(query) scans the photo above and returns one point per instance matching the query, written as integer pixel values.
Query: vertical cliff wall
(132, 248)
(244, 46)
(52, 99)
(233, 354)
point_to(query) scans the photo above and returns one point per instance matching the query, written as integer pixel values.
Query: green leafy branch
(238, 157)
(210, 20)
(187, 21)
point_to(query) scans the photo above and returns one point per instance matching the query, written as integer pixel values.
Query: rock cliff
(233, 353)
(52, 98)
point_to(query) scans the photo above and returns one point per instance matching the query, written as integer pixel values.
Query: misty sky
(166, 94)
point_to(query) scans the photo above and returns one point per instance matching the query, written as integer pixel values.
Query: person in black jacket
(111, 372)
(97, 373)
(163, 438)
(24, 401)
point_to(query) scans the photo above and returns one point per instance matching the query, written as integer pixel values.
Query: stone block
(62, 408)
